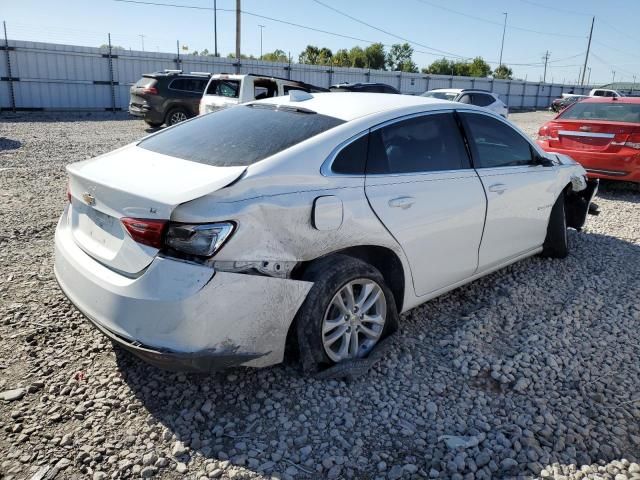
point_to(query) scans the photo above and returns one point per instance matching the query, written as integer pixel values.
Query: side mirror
(544, 161)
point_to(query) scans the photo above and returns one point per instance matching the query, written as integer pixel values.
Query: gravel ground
(533, 371)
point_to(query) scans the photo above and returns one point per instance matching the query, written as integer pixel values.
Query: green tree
(342, 58)
(399, 58)
(242, 56)
(310, 55)
(440, 67)
(479, 68)
(275, 56)
(358, 57)
(376, 56)
(324, 56)
(503, 72)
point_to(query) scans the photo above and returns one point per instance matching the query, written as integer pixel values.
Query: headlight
(202, 240)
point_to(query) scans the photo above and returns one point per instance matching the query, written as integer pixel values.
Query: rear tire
(556, 244)
(176, 115)
(320, 319)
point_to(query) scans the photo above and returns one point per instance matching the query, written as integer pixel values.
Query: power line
(340, 12)
(486, 20)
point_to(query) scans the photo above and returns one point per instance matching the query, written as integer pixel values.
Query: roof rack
(208, 74)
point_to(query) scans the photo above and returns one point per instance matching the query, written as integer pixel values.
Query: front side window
(224, 88)
(238, 136)
(496, 144)
(441, 95)
(428, 143)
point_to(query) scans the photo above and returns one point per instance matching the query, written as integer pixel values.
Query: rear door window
(482, 99)
(238, 136)
(224, 88)
(194, 85)
(496, 144)
(428, 143)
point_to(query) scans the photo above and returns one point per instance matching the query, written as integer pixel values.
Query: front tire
(348, 310)
(556, 244)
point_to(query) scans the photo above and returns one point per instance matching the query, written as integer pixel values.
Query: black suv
(371, 87)
(167, 97)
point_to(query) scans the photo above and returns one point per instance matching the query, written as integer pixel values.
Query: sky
(453, 28)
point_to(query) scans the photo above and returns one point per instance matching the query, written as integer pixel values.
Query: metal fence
(47, 76)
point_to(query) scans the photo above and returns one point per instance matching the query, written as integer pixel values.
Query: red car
(601, 133)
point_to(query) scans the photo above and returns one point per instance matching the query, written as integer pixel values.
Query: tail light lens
(545, 134)
(145, 231)
(150, 91)
(202, 240)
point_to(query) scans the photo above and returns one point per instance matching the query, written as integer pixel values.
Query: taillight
(545, 134)
(150, 90)
(146, 231)
(202, 240)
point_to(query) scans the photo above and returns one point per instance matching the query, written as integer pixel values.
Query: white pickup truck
(225, 90)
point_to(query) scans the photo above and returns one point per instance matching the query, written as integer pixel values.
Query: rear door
(420, 184)
(520, 193)
(188, 91)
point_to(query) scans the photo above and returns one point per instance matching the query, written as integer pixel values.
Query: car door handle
(498, 188)
(402, 202)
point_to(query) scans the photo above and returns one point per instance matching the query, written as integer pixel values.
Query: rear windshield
(613, 112)
(440, 95)
(146, 82)
(224, 88)
(238, 136)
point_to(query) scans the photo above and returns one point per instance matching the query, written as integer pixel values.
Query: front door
(420, 184)
(520, 192)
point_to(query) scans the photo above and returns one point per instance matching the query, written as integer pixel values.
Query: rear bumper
(146, 112)
(610, 166)
(181, 316)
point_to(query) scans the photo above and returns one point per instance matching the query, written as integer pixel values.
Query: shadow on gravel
(9, 144)
(620, 191)
(533, 366)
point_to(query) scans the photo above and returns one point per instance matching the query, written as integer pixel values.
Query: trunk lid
(137, 183)
(590, 135)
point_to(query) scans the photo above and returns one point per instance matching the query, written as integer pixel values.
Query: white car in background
(225, 90)
(469, 96)
(307, 222)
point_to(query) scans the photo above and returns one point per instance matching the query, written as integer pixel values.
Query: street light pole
(261, 27)
(504, 29)
(589, 77)
(215, 29)
(142, 39)
(613, 79)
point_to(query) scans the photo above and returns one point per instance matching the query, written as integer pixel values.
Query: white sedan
(307, 222)
(471, 96)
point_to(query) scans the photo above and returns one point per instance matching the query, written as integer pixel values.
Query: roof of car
(610, 100)
(351, 105)
(460, 90)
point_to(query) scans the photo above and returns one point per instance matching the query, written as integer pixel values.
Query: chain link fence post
(6, 51)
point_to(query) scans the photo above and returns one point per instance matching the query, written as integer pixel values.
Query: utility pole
(633, 87)
(613, 79)
(215, 28)
(504, 29)
(142, 39)
(586, 57)
(589, 76)
(238, 29)
(546, 59)
(261, 27)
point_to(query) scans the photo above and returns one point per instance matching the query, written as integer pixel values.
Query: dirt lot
(533, 371)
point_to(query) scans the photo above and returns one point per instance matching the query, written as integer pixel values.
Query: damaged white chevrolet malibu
(306, 222)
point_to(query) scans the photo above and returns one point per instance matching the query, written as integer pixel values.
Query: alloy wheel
(354, 320)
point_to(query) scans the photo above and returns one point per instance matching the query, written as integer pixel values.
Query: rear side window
(611, 111)
(351, 159)
(496, 144)
(188, 85)
(482, 100)
(428, 143)
(224, 88)
(238, 136)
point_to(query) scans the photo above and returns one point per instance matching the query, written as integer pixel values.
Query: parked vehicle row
(171, 96)
(304, 223)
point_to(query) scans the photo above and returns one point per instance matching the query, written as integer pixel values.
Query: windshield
(239, 136)
(441, 95)
(613, 112)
